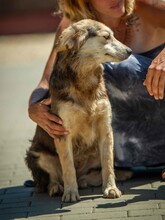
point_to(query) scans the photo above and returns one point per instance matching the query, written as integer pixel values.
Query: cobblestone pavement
(22, 59)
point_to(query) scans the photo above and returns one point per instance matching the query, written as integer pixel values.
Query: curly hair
(76, 10)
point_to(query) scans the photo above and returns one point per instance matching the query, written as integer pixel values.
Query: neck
(108, 20)
(111, 23)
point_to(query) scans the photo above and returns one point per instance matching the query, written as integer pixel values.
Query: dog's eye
(107, 36)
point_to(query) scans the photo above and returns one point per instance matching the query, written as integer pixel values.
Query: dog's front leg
(65, 152)
(110, 189)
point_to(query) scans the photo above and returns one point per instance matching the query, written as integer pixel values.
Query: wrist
(38, 95)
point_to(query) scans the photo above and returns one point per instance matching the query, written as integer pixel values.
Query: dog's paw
(70, 196)
(55, 188)
(112, 193)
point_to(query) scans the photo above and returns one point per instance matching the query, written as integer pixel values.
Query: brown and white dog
(84, 156)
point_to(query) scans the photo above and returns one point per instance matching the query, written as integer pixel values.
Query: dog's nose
(129, 51)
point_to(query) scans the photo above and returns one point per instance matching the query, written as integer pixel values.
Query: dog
(84, 157)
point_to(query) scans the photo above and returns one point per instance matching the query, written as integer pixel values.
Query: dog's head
(94, 40)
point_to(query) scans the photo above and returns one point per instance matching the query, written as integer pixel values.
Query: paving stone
(16, 200)
(161, 205)
(82, 204)
(64, 211)
(18, 189)
(44, 206)
(5, 176)
(11, 216)
(44, 217)
(156, 184)
(105, 218)
(13, 205)
(109, 215)
(2, 191)
(148, 212)
(16, 195)
(160, 195)
(4, 183)
(114, 207)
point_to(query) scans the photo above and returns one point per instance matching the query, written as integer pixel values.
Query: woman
(135, 86)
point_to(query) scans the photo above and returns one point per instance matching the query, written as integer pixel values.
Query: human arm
(39, 104)
(153, 13)
(155, 78)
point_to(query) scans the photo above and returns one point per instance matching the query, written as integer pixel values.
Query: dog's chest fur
(82, 122)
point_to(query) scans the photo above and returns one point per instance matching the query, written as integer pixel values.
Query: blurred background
(26, 16)
(27, 31)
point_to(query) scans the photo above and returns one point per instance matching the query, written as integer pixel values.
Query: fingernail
(66, 132)
(60, 122)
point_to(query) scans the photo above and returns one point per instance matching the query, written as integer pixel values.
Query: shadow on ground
(23, 202)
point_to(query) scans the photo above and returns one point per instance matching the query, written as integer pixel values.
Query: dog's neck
(72, 80)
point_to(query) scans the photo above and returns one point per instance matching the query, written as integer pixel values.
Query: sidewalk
(22, 60)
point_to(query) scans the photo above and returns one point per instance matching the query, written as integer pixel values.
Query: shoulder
(64, 23)
(152, 13)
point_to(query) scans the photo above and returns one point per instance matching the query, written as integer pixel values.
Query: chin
(118, 13)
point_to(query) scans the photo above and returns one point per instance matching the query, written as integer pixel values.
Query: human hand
(40, 113)
(155, 78)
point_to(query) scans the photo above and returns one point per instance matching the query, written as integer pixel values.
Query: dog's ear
(71, 38)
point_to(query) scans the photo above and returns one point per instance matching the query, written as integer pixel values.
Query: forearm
(42, 90)
(38, 95)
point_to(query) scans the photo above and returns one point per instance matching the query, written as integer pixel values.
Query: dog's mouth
(108, 54)
(116, 58)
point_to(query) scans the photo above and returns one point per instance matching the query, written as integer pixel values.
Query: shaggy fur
(79, 97)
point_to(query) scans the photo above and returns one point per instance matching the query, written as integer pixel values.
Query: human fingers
(54, 124)
(48, 114)
(51, 133)
(46, 101)
(161, 87)
(156, 82)
(54, 118)
(54, 134)
(51, 123)
(148, 80)
(56, 128)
